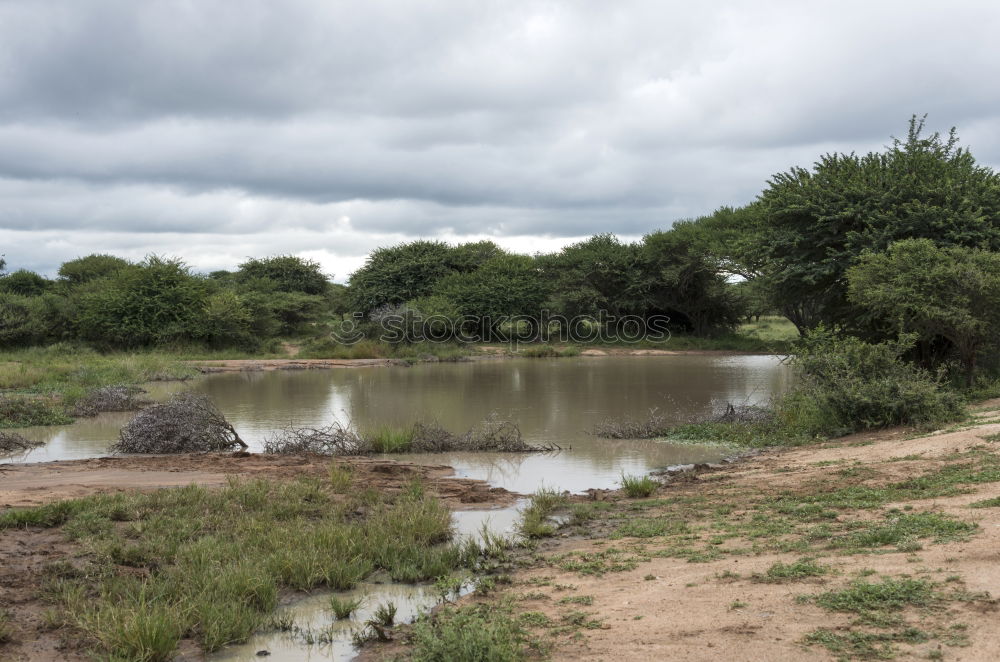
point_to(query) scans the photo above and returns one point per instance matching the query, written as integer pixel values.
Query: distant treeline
(898, 243)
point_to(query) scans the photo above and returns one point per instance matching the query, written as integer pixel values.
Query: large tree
(818, 222)
(284, 273)
(599, 274)
(940, 293)
(397, 274)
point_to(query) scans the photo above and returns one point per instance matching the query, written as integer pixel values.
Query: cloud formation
(219, 129)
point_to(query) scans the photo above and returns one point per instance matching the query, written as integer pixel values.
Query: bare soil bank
(607, 590)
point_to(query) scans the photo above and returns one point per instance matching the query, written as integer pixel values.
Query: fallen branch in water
(12, 441)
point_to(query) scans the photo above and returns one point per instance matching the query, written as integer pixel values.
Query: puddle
(318, 635)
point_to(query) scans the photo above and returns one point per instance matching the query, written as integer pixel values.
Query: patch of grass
(890, 595)
(211, 562)
(384, 614)
(25, 411)
(649, 528)
(471, 634)
(899, 528)
(548, 351)
(389, 439)
(638, 487)
(535, 522)
(801, 569)
(598, 563)
(341, 477)
(5, 630)
(577, 600)
(855, 645)
(343, 607)
(986, 503)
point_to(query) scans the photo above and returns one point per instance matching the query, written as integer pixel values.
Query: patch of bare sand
(670, 609)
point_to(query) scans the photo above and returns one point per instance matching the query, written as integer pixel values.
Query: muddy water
(555, 401)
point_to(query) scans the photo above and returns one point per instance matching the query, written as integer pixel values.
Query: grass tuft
(638, 487)
(343, 607)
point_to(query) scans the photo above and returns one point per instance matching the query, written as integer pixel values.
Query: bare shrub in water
(744, 414)
(117, 397)
(187, 423)
(334, 439)
(493, 434)
(656, 425)
(11, 441)
(659, 425)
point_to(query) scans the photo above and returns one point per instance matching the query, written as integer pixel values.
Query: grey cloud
(218, 127)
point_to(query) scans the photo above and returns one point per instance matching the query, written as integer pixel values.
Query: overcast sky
(216, 130)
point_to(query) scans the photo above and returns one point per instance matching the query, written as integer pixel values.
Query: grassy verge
(325, 348)
(208, 565)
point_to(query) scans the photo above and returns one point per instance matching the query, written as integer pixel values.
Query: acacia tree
(950, 293)
(287, 273)
(599, 274)
(681, 280)
(397, 274)
(818, 222)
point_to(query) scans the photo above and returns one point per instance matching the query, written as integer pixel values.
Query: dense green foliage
(948, 295)
(847, 384)
(111, 303)
(817, 223)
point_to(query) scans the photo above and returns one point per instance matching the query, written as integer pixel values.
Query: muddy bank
(24, 485)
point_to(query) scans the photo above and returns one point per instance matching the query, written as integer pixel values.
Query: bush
(187, 423)
(848, 385)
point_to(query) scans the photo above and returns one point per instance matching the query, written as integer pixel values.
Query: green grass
(326, 348)
(341, 478)
(42, 384)
(343, 607)
(535, 522)
(384, 614)
(476, 633)
(209, 564)
(770, 328)
(986, 503)
(389, 439)
(888, 596)
(860, 645)
(5, 630)
(548, 351)
(638, 487)
(24, 411)
(650, 528)
(801, 569)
